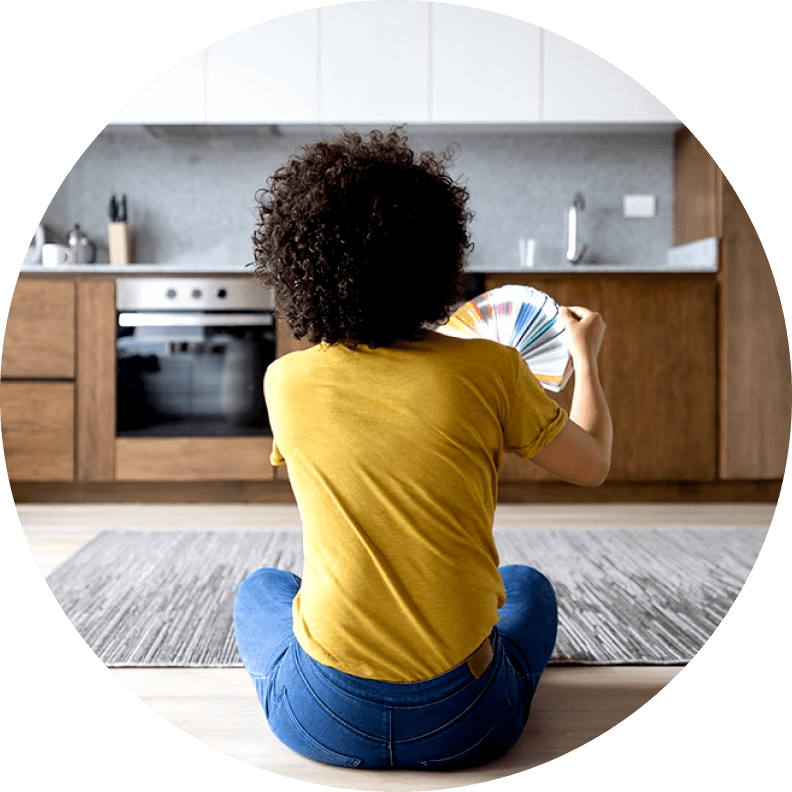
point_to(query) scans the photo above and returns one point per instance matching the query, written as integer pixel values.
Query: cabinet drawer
(37, 422)
(193, 459)
(39, 338)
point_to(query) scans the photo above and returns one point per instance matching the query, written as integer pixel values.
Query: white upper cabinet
(374, 62)
(582, 87)
(266, 74)
(485, 67)
(379, 62)
(176, 98)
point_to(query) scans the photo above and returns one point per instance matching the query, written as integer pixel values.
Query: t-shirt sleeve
(534, 418)
(276, 458)
(271, 389)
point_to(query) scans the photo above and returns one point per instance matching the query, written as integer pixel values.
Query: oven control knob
(170, 293)
(196, 293)
(221, 293)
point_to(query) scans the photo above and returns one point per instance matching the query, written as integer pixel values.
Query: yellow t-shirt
(393, 455)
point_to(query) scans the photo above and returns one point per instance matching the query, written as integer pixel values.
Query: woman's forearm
(589, 408)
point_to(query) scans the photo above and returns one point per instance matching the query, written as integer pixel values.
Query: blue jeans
(451, 721)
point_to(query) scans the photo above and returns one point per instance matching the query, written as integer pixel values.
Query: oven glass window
(195, 381)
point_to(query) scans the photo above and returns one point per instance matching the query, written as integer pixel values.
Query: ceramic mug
(53, 255)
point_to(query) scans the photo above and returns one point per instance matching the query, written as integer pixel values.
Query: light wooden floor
(219, 707)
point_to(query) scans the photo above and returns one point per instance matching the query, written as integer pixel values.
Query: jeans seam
(390, 735)
(325, 707)
(390, 704)
(459, 715)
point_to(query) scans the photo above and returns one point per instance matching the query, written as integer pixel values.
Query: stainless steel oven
(191, 355)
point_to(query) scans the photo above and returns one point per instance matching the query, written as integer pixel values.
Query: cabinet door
(658, 371)
(39, 337)
(176, 98)
(658, 368)
(485, 66)
(374, 62)
(37, 421)
(580, 86)
(266, 74)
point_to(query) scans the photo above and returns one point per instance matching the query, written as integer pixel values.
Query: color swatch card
(524, 318)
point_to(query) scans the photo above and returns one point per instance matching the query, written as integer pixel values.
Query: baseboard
(281, 492)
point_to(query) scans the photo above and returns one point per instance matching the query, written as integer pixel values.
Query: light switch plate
(640, 205)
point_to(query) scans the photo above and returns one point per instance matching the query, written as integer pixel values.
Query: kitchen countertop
(699, 256)
(214, 269)
(136, 269)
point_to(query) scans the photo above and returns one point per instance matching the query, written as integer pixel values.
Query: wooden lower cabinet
(658, 370)
(193, 459)
(39, 338)
(674, 420)
(37, 422)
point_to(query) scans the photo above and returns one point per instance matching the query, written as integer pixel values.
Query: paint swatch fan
(524, 318)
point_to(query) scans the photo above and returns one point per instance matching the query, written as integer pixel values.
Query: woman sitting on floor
(404, 644)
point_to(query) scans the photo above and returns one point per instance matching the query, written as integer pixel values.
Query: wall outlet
(640, 205)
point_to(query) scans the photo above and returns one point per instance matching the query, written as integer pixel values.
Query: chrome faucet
(575, 250)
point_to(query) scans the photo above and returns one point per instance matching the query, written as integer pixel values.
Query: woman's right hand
(586, 330)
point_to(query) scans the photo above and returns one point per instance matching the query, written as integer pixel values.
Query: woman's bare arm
(581, 452)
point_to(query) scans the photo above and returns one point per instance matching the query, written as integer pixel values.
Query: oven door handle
(184, 319)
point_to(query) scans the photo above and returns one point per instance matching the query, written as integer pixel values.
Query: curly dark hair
(363, 241)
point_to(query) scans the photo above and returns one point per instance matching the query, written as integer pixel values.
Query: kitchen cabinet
(755, 388)
(485, 67)
(39, 338)
(66, 431)
(658, 371)
(679, 355)
(374, 62)
(37, 392)
(176, 98)
(397, 62)
(581, 87)
(37, 420)
(193, 459)
(266, 74)
(104, 457)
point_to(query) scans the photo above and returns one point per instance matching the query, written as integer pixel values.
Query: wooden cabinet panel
(658, 371)
(285, 342)
(756, 384)
(658, 367)
(698, 185)
(37, 421)
(193, 459)
(96, 379)
(39, 338)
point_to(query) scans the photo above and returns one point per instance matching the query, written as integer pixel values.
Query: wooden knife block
(120, 243)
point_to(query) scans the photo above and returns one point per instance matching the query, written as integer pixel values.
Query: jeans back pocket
(292, 733)
(498, 739)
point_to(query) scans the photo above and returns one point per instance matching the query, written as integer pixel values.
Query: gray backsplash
(191, 191)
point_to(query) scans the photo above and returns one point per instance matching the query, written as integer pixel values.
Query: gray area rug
(626, 597)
